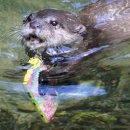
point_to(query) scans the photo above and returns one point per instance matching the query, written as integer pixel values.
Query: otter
(51, 28)
(105, 21)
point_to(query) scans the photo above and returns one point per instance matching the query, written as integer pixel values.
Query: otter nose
(34, 25)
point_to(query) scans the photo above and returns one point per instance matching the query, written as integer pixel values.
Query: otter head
(50, 28)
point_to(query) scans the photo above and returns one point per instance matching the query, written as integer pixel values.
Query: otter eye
(54, 23)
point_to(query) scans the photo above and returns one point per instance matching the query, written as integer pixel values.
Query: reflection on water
(100, 99)
(73, 92)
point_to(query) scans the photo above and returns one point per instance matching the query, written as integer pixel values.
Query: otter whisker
(13, 34)
(4, 36)
(16, 26)
(16, 29)
(19, 37)
(9, 34)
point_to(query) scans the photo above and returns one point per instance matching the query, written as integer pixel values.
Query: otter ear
(81, 29)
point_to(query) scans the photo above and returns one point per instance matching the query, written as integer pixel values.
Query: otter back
(107, 20)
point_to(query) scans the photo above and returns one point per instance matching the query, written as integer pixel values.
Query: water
(97, 97)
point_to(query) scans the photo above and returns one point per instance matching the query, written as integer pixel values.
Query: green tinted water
(108, 70)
